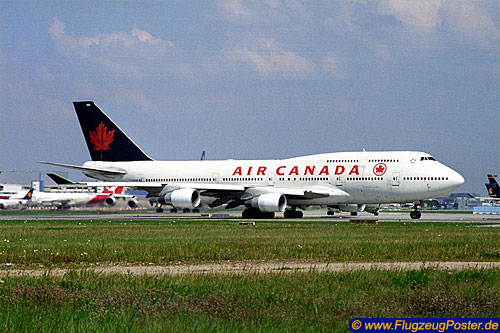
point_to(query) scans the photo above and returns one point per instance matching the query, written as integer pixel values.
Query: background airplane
(67, 199)
(16, 200)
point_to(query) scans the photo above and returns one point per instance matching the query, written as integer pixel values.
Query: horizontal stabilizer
(108, 172)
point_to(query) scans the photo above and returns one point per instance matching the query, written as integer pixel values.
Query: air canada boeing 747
(346, 181)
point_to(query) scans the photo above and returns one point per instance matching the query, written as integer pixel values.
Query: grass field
(286, 301)
(78, 243)
(308, 302)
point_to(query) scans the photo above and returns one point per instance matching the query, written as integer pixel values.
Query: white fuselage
(366, 177)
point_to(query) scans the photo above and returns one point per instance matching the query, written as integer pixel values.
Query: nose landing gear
(415, 213)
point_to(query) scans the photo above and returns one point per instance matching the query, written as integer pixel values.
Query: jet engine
(269, 202)
(110, 201)
(132, 203)
(183, 198)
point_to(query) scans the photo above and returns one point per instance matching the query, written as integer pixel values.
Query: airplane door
(215, 177)
(395, 179)
(339, 181)
(270, 180)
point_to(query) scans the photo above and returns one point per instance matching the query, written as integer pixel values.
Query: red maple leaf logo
(101, 138)
(379, 169)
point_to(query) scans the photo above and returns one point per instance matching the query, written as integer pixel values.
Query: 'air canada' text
(295, 170)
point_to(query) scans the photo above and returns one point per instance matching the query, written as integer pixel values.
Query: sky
(253, 80)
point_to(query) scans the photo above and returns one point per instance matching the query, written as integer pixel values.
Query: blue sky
(252, 80)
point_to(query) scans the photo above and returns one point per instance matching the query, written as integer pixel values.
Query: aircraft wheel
(159, 210)
(173, 210)
(293, 214)
(254, 213)
(186, 210)
(415, 214)
(246, 214)
(196, 210)
(354, 213)
(330, 212)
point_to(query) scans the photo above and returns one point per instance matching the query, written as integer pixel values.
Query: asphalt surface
(319, 215)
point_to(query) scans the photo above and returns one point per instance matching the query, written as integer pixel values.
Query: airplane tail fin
(59, 180)
(105, 140)
(493, 187)
(115, 190)
(29, 194)
(203, 155)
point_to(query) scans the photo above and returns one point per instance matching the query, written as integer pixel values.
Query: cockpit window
(427, 158)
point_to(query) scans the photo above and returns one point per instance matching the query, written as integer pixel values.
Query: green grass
(58, 243)
(309, 302)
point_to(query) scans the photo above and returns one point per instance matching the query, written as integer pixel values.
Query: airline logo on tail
(29, 195)
(101, 138)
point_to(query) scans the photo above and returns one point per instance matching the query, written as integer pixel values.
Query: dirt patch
(253, 267)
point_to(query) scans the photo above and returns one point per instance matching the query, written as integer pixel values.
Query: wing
(223, 193)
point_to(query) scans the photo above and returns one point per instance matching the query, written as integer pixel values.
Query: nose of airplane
(456, 179)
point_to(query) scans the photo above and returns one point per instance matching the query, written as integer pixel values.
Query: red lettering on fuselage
(324, 171)
(294, 171)
(237, 171)
(354, 170)
(308, 170)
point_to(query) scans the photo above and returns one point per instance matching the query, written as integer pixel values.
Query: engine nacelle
(183, 198)
(352, 208)
(110, 201)
(9, 205)
(132, 203)
(269, 202)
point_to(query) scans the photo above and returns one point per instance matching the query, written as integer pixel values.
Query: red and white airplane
(347, 181)
(69, 199)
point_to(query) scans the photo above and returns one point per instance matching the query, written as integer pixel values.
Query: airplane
(64, 200)
(493, 188)
(16, 200)
(346, 180)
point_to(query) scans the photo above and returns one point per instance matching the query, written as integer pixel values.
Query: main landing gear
(254, 213)
(415, 213)
(293, 214)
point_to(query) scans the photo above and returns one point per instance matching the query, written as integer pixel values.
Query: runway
(312, 215)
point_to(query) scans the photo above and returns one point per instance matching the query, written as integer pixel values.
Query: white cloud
(135, 54)
(265, 12)
(330, 65)
(268, 58)
(137, 41)
(422, 16)
(234, 9)
(466, 19)
(472, 22)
